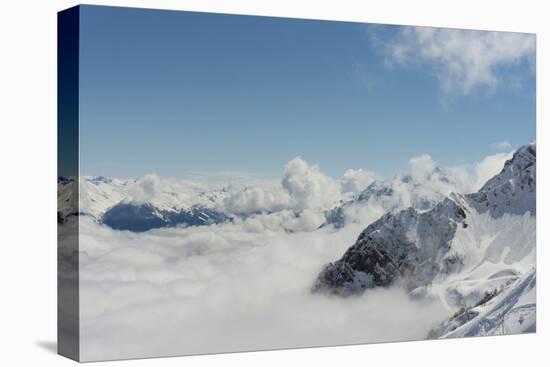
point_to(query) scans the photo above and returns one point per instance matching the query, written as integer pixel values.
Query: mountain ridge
(463, 248)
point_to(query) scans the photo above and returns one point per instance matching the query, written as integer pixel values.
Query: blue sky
(176, 93)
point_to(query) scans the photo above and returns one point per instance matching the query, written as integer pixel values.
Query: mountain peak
(417, 246)
(513, 190)
(523, 160)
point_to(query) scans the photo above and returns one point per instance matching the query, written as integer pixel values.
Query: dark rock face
(386, 250)
(335, 216)
(144, 217)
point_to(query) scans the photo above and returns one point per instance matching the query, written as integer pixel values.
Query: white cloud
(470, 178)
(502, 146)
(303, 187)
(422, 166)
(308, 187)
(146, 189)
(355, 181)
(225, 288)
(245, 285)
(462, 59)
(463, 179)
(254, 199)
(489, 167)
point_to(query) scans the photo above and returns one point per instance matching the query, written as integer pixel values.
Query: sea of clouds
(245, 285)
(227, 288)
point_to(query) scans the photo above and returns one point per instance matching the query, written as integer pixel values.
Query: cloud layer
(298, 202)
(226, 288)
(245, 285)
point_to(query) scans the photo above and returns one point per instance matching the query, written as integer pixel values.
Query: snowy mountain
(421, 192)
(461, 250)
(513, 189)
(143, 217)
(113, 202)
(95, 195)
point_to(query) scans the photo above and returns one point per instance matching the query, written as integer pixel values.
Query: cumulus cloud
(355, 181)
(424, 186)
(303, 187)
(488, 167)
(463, 60)
(463, 179)
(422, 166)
(226, 288)
(145, 189)
(470, 178)
(254, 199)
(307, 186)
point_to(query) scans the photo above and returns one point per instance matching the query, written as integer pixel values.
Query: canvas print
(239, 183)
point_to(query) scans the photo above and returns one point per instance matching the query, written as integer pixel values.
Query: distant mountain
(465, 247)
(95, 196)
(390, 196)
(143, 217)
(109, 201)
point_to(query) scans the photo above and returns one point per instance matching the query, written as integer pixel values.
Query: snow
(512, 311)
(462, 250)
(422, 190)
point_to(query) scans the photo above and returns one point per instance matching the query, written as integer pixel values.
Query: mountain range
(474, 252)
(421, 192)
(110, 202)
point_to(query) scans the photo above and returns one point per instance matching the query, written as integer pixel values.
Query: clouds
(422, 166)
(245, 285)
(307, 186)
(355, 181)
(146, 189)
(300, 199)
(302, 188)
(226, 288)
(489, 167)
(255, 199)
(462, 60)
(470, 178)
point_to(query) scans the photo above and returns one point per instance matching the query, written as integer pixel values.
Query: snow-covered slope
(121, 204)
(98, 194)
(510, 309)
(421, 192)
(464, 248)
(513, 189)
(89, 195)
